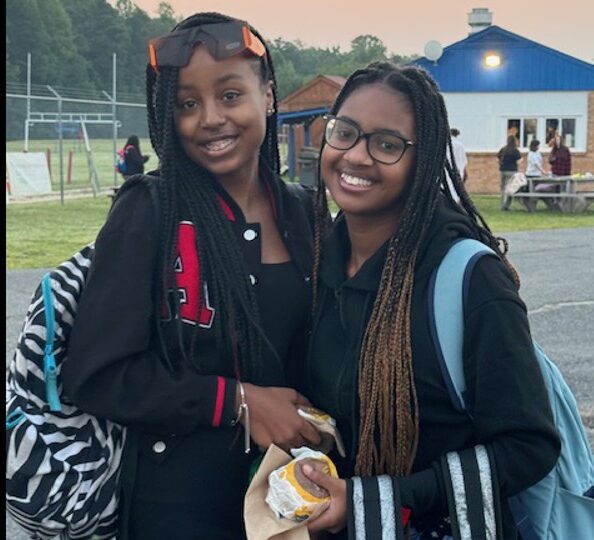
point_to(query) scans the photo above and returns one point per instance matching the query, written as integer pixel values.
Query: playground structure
(82, 119)
(75, 121)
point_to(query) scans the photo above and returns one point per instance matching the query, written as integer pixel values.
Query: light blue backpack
(557, 507)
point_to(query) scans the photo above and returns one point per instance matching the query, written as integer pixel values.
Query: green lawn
(103, 156)
(46, 233)
(518, 219)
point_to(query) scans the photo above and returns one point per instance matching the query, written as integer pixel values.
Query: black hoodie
(507, 401)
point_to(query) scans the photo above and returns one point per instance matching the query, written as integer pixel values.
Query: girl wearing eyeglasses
(199, 292)
(372, 363)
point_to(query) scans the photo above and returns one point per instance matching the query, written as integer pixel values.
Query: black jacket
(134, 160)
(507, 400)
(191, 470)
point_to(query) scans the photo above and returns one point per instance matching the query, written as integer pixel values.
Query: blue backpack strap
(448, 289)
(49, 361)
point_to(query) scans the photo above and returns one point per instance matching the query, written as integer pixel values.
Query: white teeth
(219, 145)
(355, 180)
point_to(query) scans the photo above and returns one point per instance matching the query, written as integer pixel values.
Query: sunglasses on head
(223, 40)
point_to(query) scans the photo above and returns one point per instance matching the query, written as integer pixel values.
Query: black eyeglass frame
(367, 136)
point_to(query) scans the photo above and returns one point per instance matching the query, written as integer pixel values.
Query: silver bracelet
(241, 411)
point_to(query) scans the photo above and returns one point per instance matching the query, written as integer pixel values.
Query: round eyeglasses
(383, 146)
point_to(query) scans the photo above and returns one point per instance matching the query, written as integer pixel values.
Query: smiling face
(359, 184)
(220, 113)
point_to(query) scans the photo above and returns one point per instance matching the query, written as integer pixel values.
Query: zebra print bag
(62, 465)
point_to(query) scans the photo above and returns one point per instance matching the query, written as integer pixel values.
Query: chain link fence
(95, 109)
(43, 134)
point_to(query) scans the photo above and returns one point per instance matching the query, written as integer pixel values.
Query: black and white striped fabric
(374, 510)
(473, 497)
(62, 468)
(472, 494)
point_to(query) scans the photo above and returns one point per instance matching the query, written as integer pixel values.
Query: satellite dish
(433, 51)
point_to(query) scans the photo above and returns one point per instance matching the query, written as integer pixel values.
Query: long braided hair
(237, 323)
(389, 412)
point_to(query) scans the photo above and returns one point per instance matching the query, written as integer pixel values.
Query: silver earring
(270, 111)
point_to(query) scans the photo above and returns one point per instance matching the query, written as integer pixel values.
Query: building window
(523, 129)
(529, 131)
(513, 127)
(564, 126)
(568, 132)
(543, 129)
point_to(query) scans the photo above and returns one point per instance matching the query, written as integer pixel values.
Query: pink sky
(405, 25)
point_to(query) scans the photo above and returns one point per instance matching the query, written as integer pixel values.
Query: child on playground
(412, 458)
(195, 302)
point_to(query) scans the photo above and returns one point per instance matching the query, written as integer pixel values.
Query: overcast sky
(405, 25)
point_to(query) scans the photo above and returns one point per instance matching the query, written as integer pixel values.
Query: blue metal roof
(297, 117)
(525, 66)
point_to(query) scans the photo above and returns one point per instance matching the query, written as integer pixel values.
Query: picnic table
(569, 194)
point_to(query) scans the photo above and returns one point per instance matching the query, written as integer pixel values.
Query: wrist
(243, 414)
(240, 403)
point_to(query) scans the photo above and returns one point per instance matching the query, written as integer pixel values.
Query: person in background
(560, 160)
(509, 157)
(534, 169)
(461, 162)
(560, 157)
(372, 362)
(534, 166)
(134, 159)
(197, 302)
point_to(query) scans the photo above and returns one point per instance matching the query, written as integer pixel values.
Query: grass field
(46, 233)
(103, 156)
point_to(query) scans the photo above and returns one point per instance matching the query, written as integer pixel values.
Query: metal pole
(291, 153)
(74, 100)
(307, 138)
(28, 102)
(115, 126)
(61, 141)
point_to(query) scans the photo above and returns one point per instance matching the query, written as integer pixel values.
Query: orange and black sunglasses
(222, 40)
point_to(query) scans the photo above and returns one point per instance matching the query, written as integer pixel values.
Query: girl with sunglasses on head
(372, 363)
(196, 300)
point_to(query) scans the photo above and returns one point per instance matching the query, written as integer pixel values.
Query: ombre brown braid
(389, 411)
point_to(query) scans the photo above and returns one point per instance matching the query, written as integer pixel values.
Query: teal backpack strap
(448, 287)
(49, 361)
(560, 505)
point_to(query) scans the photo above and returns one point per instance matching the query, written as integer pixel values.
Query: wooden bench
(565, 202)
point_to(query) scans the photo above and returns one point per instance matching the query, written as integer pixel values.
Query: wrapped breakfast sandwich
(326, 425)
(281, 499)
(291, 495)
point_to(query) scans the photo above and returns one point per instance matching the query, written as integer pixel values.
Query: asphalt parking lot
(556, 268)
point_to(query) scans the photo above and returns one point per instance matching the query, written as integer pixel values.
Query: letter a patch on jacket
(194, 307)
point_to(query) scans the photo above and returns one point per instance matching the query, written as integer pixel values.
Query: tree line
(72, 41)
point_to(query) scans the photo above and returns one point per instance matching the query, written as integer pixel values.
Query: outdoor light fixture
(492, 60)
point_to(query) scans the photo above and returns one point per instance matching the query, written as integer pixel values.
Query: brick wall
(483, 169)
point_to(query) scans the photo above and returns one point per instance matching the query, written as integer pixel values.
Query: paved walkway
(557, 286)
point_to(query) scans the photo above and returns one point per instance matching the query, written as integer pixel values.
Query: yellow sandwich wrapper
(287, 498)
(261, 522)
(326, 425)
